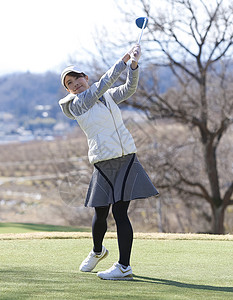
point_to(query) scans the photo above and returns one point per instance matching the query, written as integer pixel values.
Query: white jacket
(106, 142)
(106, 133)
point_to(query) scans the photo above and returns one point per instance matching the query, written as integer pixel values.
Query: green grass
(163, 270)
(28, 227)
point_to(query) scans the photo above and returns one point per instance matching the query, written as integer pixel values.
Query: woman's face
(76, 85)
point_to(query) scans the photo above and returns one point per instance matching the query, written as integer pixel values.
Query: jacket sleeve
(124, 91)
(84, 101)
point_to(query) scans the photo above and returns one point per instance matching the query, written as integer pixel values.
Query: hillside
(29, 107)
(21, 92)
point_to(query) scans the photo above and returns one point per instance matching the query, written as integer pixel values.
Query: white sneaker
(92, 260)
(116, 272)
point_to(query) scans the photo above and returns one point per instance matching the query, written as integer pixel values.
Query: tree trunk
(212, 172)
(218, 219)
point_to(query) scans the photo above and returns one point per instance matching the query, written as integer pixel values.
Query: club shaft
(144, 24)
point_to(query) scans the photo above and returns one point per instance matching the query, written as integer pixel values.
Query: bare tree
(193, 39)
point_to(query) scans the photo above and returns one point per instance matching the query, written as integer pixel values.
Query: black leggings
(124, 229)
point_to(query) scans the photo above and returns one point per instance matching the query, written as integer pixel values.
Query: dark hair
(75, 75)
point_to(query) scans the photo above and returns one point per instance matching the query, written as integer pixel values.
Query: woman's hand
(134, 54)
(126, 57)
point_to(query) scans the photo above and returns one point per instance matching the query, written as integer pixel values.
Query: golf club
(141, 23)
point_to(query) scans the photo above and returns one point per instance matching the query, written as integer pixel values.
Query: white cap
(68, 70)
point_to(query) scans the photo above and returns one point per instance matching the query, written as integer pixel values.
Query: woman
(118, 176)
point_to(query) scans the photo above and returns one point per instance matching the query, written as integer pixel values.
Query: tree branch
(223, 127)
(172, 59)
(227, 197)
(204, 194)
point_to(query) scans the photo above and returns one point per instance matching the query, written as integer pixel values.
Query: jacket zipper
(116, 130)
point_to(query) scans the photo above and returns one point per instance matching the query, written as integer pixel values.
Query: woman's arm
(126, 90)
(88, 98)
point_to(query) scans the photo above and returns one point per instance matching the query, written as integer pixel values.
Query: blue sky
(41, 35)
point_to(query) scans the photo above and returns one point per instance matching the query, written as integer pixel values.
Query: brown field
(46, 182)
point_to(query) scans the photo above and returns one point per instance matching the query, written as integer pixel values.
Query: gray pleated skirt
(118, 179)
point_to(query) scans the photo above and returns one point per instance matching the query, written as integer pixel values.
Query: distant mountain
(20, 93)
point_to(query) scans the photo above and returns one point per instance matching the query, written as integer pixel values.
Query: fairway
(168, 268)
(30, 227)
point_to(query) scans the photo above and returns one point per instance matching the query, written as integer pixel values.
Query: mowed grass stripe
(31, 227)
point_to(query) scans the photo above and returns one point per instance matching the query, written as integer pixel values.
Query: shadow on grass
(23, 282)
(182, 284)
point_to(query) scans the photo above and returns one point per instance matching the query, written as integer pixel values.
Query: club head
(140, 22)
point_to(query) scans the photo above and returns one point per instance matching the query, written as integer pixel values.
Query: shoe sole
(128, 277)
(104, 256)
